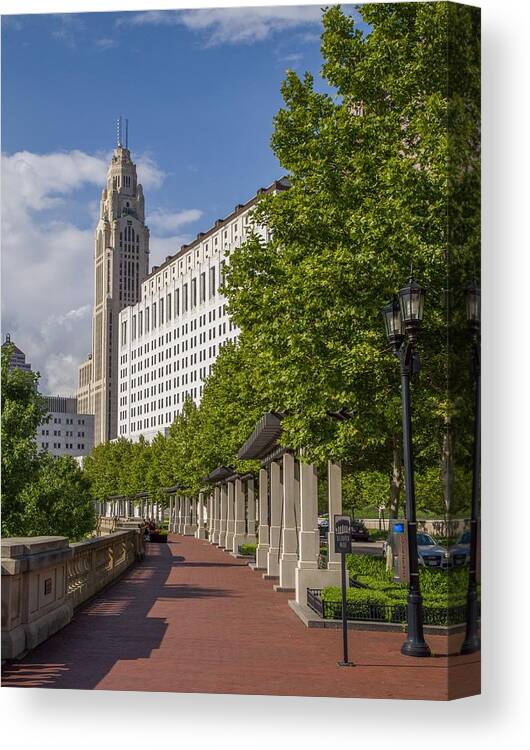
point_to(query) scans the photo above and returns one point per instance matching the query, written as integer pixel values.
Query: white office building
(172, 336)
(66, 432)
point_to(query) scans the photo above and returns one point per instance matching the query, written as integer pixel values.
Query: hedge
(247, 550)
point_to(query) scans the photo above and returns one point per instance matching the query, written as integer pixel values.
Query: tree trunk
(447, 471)
(396, 480)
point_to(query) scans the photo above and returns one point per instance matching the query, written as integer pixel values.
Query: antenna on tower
(118, 132)
(126, 133)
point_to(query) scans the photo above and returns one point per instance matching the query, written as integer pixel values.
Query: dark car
(359, 532)
(461, 550)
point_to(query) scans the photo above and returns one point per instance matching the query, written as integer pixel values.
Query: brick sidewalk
(191, 618)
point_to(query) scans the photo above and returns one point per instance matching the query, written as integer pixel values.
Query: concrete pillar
(262, 550)
(187, 528)
(182, 513)
(240, 527)
(216, 514)
(334, 508)
(230, 519)
(210, 511)
(289, 555)
(251, 512)
(273, 556)
(201, 524)
(309, 540)
(193, 514)
(222, 514)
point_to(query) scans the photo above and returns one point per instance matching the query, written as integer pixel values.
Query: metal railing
(392, 613)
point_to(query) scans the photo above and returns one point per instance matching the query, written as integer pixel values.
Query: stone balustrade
(44, 579)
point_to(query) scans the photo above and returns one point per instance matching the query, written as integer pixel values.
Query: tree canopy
(384, 167)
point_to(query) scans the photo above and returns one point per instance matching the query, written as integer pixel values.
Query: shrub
(247, 549)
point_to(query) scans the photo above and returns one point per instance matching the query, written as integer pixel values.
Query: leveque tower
(121, 263)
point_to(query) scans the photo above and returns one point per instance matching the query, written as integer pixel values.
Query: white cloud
(106, 43)
(165, 221)
(231, 25)
(161, 247)
(47, 266)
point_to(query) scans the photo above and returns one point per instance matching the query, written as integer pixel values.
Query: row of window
(68, 420)
(67, 446)
(163, 310)
(159, 419)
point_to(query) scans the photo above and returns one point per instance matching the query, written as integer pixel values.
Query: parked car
(359, 532)
(323, 527)
(431, 554)
(461, 550)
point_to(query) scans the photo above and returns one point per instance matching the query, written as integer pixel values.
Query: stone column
(216, 514)
(334, 508)
(309, 539)
(240, 528)
(211, 515)
(262, 550)
(223, 508)
(230, 520)
(251, 512)
(201, 525)
(273, 562)
(187, 527)
(208, 520)
(182, 519)
(193, 514)
(289, 556)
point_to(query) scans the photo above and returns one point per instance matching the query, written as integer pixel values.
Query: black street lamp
(402, 323)
(472, 640)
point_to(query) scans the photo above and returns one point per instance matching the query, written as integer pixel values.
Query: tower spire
(118, 132)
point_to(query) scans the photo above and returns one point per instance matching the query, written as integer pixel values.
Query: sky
(200, 89)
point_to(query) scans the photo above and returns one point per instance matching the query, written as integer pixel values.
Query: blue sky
(200, 89)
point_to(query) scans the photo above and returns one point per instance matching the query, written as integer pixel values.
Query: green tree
(23, 409)
(368, 165)
(58, 501)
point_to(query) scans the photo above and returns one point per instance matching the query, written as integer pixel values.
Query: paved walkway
(191, 618)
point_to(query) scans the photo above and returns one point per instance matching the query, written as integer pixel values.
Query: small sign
(47, 586)
(342, 534)
(400, 547)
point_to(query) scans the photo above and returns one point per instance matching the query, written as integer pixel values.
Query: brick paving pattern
(193, 619)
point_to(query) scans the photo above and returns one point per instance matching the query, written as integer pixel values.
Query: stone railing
(44, 579)
(97, 562)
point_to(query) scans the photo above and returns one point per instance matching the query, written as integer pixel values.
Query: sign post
(343, 547)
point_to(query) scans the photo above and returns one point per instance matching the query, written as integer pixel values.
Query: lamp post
(402, 322)
(472, 640)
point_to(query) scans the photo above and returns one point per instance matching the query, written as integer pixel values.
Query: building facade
(66, 431)
(169, 339)
(121, 263)
(17, 358)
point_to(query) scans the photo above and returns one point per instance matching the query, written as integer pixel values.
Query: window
(202, 287)
(161, 311)
(177, 302)
(185, 298)
(212, 282)
(124, 333)
(193, 292)
(133, 332)
(147, 320)
(153, 316)
(140, 323)
(168, 307)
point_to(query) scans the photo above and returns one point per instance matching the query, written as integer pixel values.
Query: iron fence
(393, 613)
